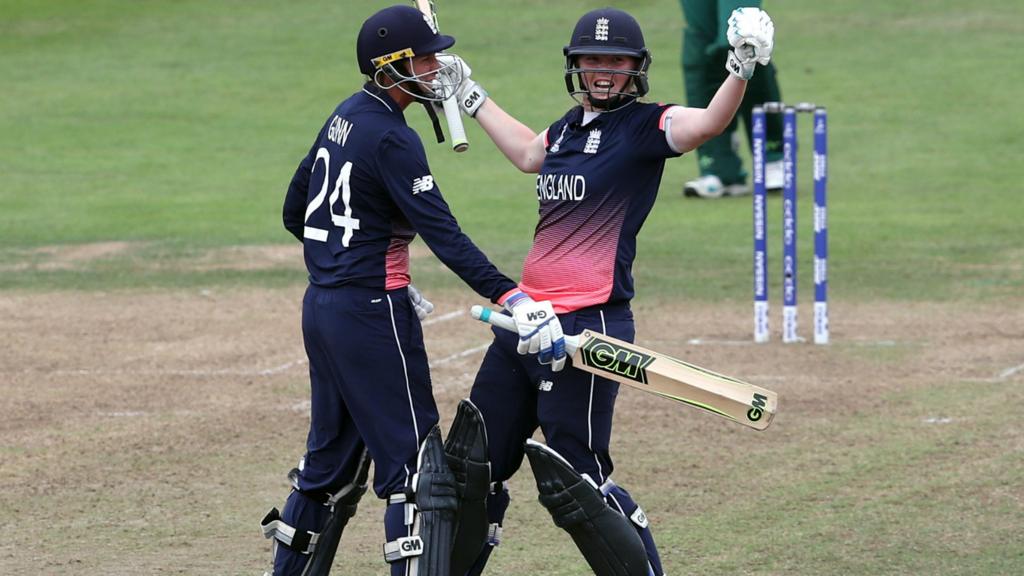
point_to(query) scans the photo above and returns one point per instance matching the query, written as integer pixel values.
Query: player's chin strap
(606, 538)
(612, 103)
(433, 120)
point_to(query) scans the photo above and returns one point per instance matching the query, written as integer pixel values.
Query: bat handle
(486, 315)
(455, 128)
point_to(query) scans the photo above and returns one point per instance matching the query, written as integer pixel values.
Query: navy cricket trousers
(573, 408)
(370, 386)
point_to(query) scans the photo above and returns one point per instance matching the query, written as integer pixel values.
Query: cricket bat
(456, 130)
(660, 374)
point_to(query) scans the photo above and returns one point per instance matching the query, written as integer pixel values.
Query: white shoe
(711, 186)
(774, 177)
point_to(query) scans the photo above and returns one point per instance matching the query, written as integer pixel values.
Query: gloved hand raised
(751, 33)
(540, 332)
(456, 72)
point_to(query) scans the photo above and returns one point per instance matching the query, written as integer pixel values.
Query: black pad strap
(301, 541)
(343, 507)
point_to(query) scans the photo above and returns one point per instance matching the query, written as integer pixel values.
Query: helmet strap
(432, 114)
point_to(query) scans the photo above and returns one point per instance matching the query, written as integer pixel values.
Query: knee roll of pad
(607, 539)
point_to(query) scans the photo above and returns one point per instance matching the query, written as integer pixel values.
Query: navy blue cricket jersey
(596, 187)
(363, 192)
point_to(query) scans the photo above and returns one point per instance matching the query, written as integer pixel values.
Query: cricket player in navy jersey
(356, 201)
(598, 170)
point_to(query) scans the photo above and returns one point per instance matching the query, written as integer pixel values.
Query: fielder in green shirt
(705, 49)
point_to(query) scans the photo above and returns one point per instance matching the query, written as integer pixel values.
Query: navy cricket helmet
(395, 35)
(607, 31)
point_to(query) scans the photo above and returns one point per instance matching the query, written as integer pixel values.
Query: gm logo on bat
(608, 357)
(757, 407)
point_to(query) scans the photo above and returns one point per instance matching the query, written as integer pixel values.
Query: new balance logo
(422, 184)
(601, 31)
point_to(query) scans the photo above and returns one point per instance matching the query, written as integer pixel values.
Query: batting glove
(540, 332)
(456, 72)
(421, 305)
(751, 33)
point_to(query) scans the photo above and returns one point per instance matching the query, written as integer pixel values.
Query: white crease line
(1010, 372)
(710, 342)
(462, 354)
(223, 372)
(281, 368)
(444, 317)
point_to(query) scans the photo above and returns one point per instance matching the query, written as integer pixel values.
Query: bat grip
(455, 128)
(504, 322)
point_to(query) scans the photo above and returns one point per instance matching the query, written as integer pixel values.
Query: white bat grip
(507, 323)
(456, 130)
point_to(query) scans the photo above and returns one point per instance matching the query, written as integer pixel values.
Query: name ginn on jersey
(561, 187)
(339, 130)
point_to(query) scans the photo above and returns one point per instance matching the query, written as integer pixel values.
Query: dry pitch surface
(147, 433)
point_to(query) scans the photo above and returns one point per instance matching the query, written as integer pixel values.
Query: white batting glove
(469, 94)
(751, 33)
(540, 332)
(421, 305)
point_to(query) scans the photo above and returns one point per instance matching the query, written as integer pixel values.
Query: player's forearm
(723, 107)
(515, 139)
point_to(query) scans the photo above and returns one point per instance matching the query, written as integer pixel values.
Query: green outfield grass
(180, 123)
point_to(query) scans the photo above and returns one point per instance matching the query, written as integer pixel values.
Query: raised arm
(517, 141)
(751, 34)
(520, 144)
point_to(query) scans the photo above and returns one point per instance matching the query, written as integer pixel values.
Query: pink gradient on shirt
(572, 260)
(396, 263)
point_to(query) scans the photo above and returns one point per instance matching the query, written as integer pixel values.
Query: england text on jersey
(561, 187)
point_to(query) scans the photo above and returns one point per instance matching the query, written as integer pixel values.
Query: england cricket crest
(617, 361)
(593, 141)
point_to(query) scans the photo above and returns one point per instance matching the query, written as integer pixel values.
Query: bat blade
(661, 374)
(675, 379)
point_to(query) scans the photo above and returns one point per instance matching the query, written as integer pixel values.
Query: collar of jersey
(576, 118)
(382, 95)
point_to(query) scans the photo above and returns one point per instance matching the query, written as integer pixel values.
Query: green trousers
(705, 49)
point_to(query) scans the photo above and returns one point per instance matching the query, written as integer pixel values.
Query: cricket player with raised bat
(598, 170)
